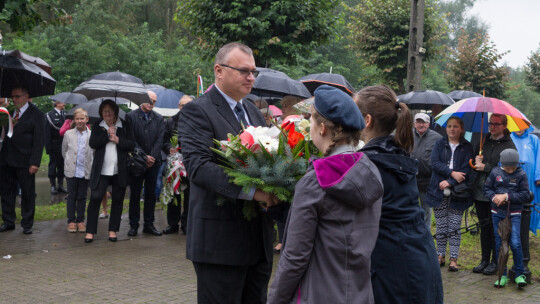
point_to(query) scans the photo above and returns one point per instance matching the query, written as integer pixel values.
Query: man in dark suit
(231, 255)
(54, 120)
(148, 128)
(19, 161)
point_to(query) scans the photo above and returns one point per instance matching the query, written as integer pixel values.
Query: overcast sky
(514, 25)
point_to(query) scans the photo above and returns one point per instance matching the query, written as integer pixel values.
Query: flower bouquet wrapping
(268, 158)
(6, 124)
(174, 172)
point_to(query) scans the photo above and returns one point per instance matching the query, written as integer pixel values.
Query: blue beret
(338, 107)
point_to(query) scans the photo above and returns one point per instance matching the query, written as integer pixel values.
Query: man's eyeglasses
(17, 96)
(495, 124)
(243, 72)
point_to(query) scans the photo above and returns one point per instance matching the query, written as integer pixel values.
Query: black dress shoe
(170, 229)
(27, 231)
(132, 231)
(5, 227)
(61, 189)
(150, 229)
(88, 240)
(490, 269)
(113, 239)
(54, 190)
(480, 268)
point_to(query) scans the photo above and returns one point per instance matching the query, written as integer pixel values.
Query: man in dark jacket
(54, 120)
(424, 140)
(148, 128)
(231, 255)
(496, 141)
(174, 211)
(19, 161)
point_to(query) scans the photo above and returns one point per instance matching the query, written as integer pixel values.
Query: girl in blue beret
(334, 217)
(404, 265)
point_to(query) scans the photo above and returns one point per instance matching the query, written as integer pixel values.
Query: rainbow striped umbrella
(475, 112)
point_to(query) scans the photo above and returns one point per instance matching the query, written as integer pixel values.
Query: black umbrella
(68, 97)
(460, 94)
(28, 58)
(93, 111)
(313, 81)
(421, 99)
(114, 84)
(15, 72)
(277, 84)
(118, 100)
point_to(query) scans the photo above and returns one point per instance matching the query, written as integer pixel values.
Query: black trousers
(76, 199)
(232, 284)
(56, 168)
(150, 179)
(487, 238)
(9, 177)
(96, 195)
(175, 213)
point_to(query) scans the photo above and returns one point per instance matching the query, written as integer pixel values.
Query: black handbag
(136, 162)
(460, 192)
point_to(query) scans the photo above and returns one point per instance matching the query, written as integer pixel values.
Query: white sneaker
(103, 216)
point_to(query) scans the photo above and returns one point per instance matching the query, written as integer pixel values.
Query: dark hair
(461, 124)
(338, 132)
(387, 114)
(23, 89)
(110, 103)
(223, 53)
(504, 120)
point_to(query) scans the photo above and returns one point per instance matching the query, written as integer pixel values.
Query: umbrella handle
(471, 164)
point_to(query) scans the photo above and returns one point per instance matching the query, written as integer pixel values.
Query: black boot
(490, 269)
(54, 190)
(480, 268)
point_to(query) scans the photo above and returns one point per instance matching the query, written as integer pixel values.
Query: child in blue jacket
(508, 189)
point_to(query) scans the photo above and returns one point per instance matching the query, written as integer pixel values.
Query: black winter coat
(440, 162)
(404, 266)
(99, 139)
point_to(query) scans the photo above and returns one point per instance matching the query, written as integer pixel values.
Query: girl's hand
(444, 184)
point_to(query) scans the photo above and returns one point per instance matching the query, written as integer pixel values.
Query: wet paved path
(54, 266)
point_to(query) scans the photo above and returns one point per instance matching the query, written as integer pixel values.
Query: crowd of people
(359, 227)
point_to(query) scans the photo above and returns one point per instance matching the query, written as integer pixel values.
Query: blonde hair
(78, 111)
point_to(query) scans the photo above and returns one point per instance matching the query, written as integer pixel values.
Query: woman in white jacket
(78, 157)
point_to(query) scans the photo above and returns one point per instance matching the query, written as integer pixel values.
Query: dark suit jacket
(99, 139)
(53, 139)
(218, 234)
(25, 147)
(148, 133)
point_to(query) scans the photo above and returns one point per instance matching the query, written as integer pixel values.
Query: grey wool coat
(330, 233)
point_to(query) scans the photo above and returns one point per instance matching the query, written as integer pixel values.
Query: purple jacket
(330, 233)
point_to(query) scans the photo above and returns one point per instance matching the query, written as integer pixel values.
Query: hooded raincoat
(528, 146)
(330, 233)
(404, 266)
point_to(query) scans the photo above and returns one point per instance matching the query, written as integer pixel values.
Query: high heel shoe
(87, 240)
(113, 238)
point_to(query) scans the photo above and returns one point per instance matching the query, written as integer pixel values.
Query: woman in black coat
(450, 164)
(403, 263)
(112, 139)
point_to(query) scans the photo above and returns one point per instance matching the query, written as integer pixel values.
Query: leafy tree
(474, 67)
(379, 32)
(523, 97)
(279, 30)
(456, 12)
(24, 15)
(532, 70)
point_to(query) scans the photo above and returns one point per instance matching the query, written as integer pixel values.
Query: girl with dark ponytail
(404, 265)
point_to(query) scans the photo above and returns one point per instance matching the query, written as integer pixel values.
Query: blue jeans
(425, 207)
(159, 182)
(515, 241)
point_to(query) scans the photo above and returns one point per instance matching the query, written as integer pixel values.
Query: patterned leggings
(447, 223)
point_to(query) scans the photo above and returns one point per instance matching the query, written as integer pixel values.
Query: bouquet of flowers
(174, 172)
(6, 121)
(268, 158)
